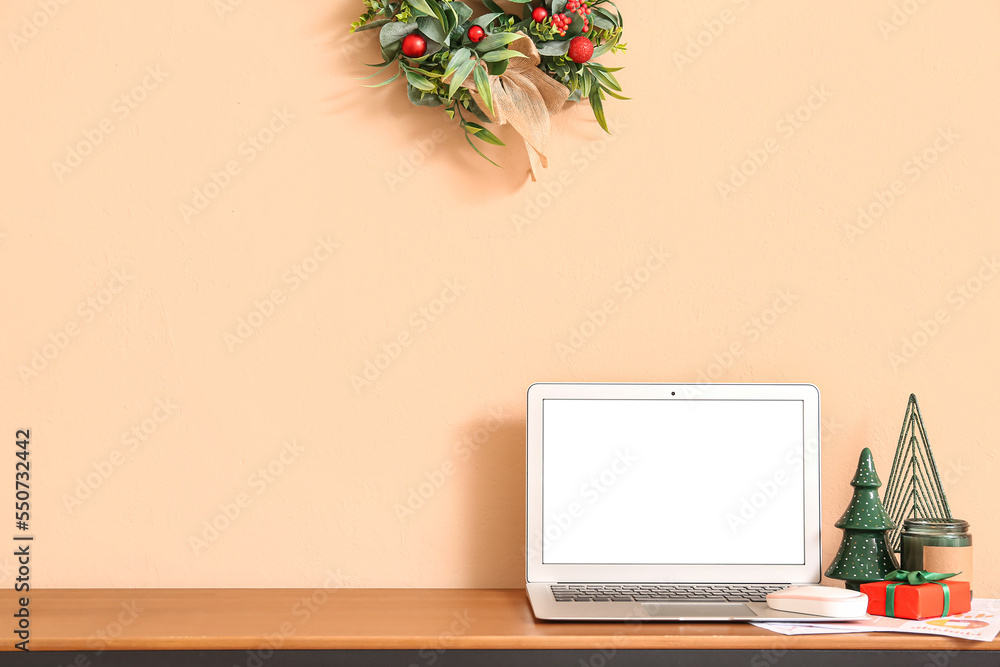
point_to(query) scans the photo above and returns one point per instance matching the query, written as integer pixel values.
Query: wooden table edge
(506, 610)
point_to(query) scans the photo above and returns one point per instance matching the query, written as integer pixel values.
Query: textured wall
(186, 304)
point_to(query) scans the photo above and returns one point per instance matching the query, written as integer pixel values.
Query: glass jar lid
(935, 526)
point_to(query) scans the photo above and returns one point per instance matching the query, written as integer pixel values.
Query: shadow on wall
(495, 507)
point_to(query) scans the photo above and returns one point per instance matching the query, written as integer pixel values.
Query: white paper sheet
(982, 624)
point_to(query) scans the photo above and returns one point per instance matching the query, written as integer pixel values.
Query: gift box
(902, 600)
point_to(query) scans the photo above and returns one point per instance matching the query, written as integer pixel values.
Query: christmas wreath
(499, 67)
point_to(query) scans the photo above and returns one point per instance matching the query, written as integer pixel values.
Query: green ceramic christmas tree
(864, 555)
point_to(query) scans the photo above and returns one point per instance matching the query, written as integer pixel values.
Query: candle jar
(937, 545)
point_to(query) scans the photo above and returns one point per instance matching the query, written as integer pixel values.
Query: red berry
(540, 14)
(476, 34)
(414, 46)
(580, 49)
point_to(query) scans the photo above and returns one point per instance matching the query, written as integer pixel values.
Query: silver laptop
(664, 502)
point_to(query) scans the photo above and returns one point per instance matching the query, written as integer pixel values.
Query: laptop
(671, 502)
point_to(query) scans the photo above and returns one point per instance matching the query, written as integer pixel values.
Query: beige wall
(508, 268)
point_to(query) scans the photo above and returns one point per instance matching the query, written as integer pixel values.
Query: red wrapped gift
(917, 595)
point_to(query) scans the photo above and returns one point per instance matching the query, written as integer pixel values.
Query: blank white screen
(675, 481)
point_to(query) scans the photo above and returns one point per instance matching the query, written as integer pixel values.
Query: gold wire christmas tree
(914, 488)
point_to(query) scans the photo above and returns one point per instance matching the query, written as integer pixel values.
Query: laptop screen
(673, 481)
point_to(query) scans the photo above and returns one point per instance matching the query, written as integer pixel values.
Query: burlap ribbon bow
(525, 97)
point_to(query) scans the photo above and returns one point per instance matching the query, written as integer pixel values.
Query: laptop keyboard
(663, 592)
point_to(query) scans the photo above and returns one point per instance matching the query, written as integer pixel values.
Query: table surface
(356, 618)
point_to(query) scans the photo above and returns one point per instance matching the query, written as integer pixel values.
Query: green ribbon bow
(916, 578)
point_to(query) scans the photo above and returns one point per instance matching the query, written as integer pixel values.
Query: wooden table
(414, 627)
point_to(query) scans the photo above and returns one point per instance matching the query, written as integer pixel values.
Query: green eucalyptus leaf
(493, 7)
(482, 133)
(477, 112)
(380, 69)
(395, 31)
(601, 22)
(391, 52)
(446, 15)
(384, 83)
(598, 107)
(461, 74)
(498, 68)
(419, 82)
(553, 48)
(463, 10)
(504, 54)
(575, 28)
(374, 24)
(620, 18)
(432, 48)
(605, 47)
(457, 58)
(422, 99)
(486, 19)
(482, 82)
(601, 16)
(497, 41)
(607, 79)
(422, 6)
(431, 28)
(481, 154)
(616, 95)
(558, 7)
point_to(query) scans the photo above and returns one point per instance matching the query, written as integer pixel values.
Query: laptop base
(546, 608)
